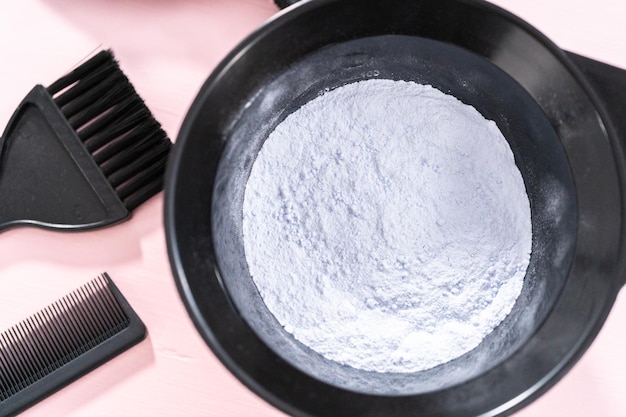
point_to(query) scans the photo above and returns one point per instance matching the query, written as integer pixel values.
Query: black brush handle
(47, 177)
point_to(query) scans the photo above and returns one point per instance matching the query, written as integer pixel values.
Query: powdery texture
(386, 226)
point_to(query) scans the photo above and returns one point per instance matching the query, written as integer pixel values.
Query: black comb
(82, 153)
(64, 341)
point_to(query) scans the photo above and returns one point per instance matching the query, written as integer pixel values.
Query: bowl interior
(474, 80)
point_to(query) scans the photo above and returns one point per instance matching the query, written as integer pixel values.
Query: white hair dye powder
(386, 226)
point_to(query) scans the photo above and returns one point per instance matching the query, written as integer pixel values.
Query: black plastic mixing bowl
(565, 146)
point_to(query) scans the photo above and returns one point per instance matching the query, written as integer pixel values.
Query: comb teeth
(58, 334)
(64, 341)
(115, 125)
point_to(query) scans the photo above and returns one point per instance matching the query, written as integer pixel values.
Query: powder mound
(386, 226)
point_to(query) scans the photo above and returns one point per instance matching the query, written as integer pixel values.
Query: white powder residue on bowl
(386, 226)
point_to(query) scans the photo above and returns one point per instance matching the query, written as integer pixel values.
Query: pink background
(167, 48)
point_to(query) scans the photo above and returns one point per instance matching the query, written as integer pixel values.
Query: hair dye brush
(82, 153)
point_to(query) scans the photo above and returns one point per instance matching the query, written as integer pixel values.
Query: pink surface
(167, 48)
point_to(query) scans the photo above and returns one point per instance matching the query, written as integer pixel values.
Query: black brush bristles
(114, 124)
(82, 153)
(64, 341)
